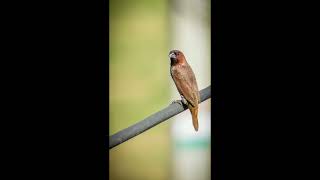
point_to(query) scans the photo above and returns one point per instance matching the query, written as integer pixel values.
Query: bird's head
(176, 56)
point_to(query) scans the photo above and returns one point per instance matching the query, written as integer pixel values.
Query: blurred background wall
(142, 32)
(190, 33)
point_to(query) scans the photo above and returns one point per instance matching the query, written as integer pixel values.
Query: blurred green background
(139, 86)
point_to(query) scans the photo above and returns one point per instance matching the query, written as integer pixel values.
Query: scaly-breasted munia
(186, 83)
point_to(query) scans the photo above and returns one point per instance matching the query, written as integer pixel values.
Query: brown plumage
(186, 83)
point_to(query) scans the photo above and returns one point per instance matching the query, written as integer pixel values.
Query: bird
(186, 83)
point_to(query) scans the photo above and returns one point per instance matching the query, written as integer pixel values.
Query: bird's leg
(183, 100)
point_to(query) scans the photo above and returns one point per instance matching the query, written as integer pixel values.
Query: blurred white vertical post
(190, 33)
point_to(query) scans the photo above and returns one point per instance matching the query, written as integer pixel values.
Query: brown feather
(186, 84)
(194, 114)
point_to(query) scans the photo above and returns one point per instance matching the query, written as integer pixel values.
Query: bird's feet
(177, 101)
(184, 101)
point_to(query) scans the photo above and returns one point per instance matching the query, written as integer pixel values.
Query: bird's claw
(177, 101)
(184, 101)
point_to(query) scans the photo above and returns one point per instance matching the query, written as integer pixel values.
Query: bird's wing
(184, 79)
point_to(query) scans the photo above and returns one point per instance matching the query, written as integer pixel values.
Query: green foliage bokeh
(139, 86)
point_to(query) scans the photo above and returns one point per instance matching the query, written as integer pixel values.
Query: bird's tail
(194, 114)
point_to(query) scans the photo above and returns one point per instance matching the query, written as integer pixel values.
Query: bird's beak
(172, 56)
